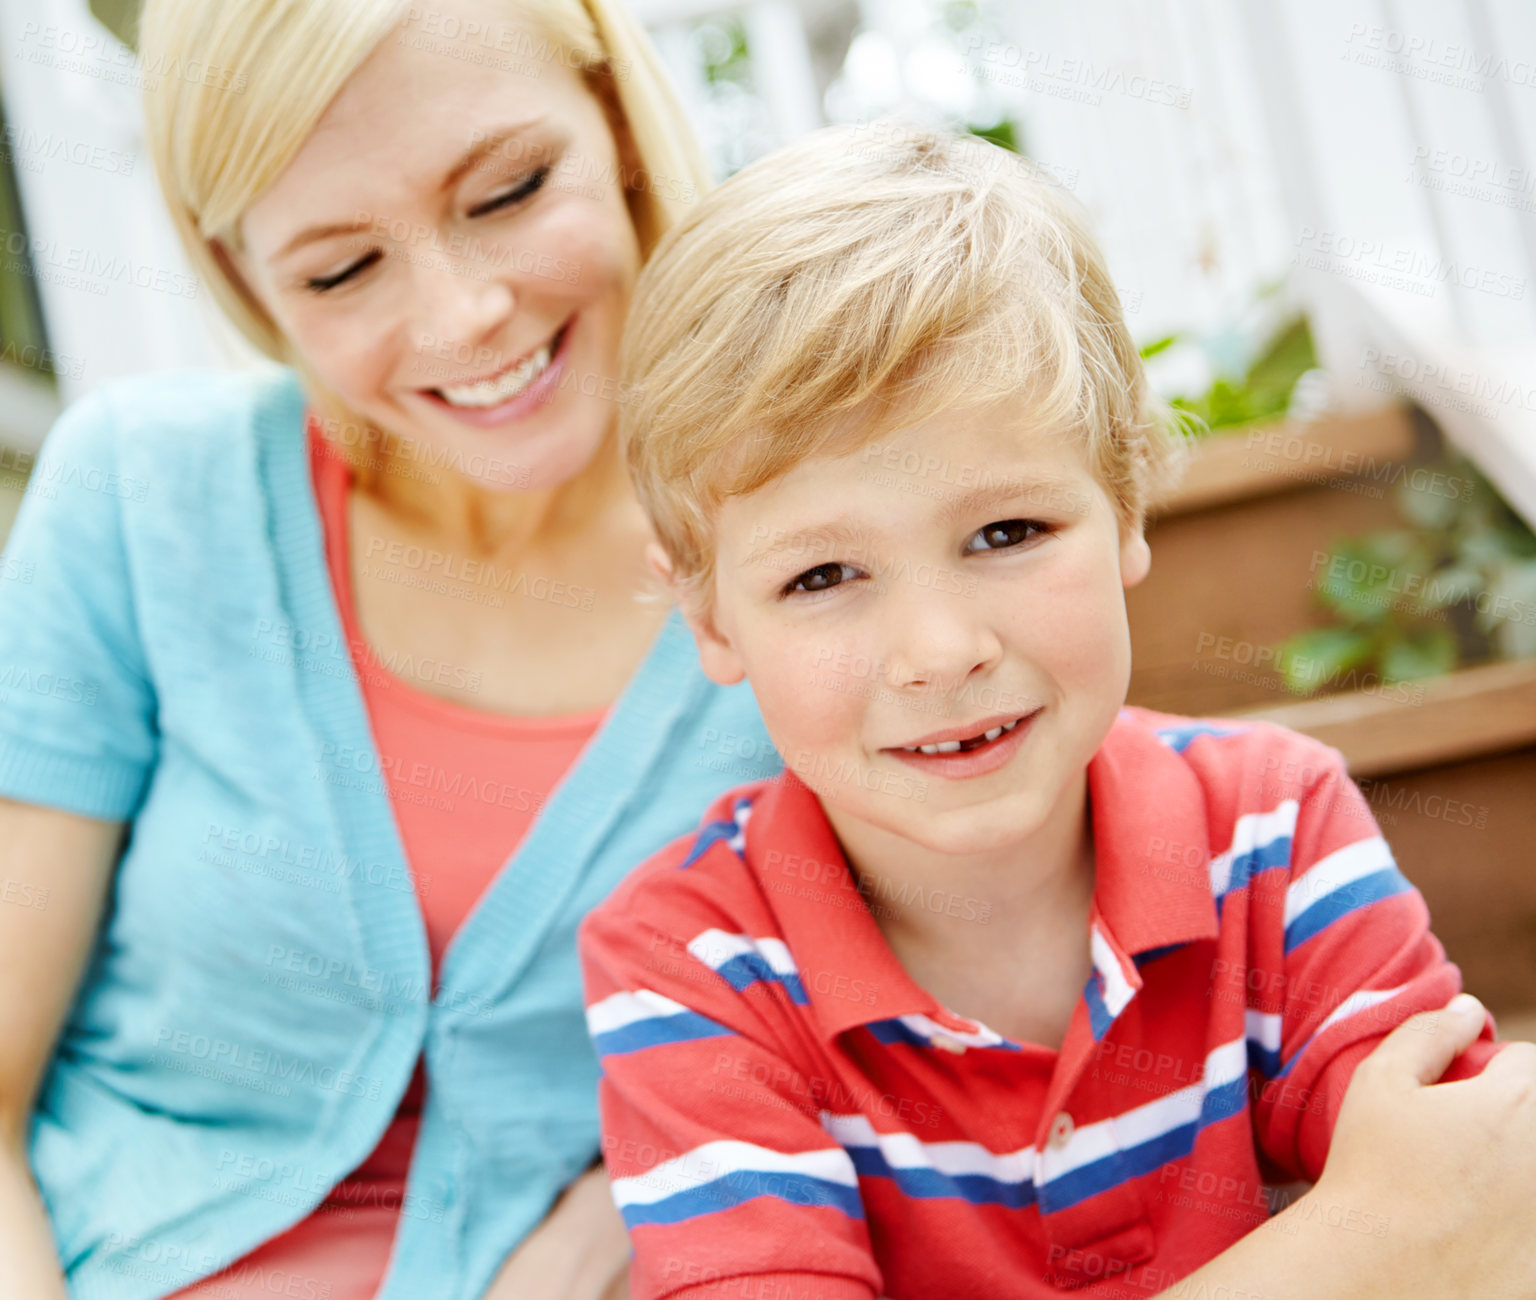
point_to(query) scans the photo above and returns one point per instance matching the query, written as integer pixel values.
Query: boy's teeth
(953, 746)
(492, 392)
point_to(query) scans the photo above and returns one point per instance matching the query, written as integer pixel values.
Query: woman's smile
(518, 389)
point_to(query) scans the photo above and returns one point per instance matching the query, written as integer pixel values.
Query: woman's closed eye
(822, 578)
(512, 194)
(1004, 534)
(324, 283)
(508, 197)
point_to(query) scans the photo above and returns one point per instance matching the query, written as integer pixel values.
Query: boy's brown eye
(1003, 534)
(822, 578)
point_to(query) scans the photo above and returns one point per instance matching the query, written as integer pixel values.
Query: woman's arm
(579, 1252)
(1429, 1189)
(55, 874)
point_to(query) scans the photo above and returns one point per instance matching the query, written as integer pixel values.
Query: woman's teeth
(493, 392)
(955, 746)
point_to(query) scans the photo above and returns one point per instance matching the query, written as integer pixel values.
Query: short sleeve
(726, 1178)
(1348, 953)
(77, 708)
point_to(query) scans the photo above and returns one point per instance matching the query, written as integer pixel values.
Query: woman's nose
(459, 303)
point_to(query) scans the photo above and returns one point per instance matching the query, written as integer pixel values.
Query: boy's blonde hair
(268, 69)
(860, 280)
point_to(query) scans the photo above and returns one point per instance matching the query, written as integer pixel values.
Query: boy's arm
(1341, 954)
(711, 1133)
(1430, 1189)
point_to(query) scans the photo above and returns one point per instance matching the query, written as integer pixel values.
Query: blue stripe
(1265, 1060)
(1152, 954)
(741, 1186)
(1133, 1162)
(1099, 1019)
(748, 968)
(897, 1031)
(684, 1027)
(1262, 857)
(930, 1184)
(712, 833)
(1178, 738)
(1342, 901)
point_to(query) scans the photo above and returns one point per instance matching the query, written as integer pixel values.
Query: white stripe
(743, 814)
(954, 1159)
(715, 947)
(1117, 989)
(1090, 1142)
(704, 1164)
(1356, 1002)
(921, 1024)
(1263, 1028)
(1252, 831)
(1330, 874)
(620, 1009)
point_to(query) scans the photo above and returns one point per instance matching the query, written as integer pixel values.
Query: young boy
(1001, 987)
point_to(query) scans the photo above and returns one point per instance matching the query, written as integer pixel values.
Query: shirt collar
(1151, 888)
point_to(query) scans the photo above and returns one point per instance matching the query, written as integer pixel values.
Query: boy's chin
(959, 832)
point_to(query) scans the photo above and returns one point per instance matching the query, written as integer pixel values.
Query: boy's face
(961, 576)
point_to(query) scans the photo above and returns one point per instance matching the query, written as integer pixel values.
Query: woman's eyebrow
(313, 233)
(481, 144)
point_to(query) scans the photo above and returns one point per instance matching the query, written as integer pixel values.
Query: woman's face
(451, 252)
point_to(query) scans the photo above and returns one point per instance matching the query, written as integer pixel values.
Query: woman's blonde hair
(859, 280)
(266, 70)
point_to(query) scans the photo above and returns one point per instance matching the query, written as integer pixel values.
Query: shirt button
(947, 1044)
(1061, 1130)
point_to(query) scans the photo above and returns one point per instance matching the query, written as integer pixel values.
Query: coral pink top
(455, 846)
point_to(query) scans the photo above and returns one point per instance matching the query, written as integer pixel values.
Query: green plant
(1262, 393)
(1409, 603)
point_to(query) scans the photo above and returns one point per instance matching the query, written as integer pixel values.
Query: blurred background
(1322, 220)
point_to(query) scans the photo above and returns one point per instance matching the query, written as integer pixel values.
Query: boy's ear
(660, 563)
(1135, 553)
(717, 656)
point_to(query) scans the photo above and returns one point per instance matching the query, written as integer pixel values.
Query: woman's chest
(534, 638)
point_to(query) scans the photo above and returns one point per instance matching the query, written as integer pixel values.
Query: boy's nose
(937, 640)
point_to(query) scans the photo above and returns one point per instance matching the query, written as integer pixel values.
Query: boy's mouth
(975, 750)
(988, 730)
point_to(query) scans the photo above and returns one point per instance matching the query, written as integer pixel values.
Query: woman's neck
(467, 518)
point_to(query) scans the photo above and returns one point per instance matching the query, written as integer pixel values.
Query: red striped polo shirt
(788, 1115)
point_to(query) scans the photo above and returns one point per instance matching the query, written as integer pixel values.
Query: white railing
(1378, 157)
(117, 295)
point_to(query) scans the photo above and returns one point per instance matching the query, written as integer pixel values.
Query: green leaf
(1003, 134)
(1275, 371)
(1367, 577)
(1450, 586)
(1425, 508)
(1264, 393)
(1158, 345)
(1311, 659)
(1423, 652)
(1508, 610)
(1486, 549)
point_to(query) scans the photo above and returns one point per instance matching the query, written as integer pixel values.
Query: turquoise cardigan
(171, 655)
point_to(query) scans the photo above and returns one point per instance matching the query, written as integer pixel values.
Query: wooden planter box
(1237, 548)
(1448, 766)
(1452, 780)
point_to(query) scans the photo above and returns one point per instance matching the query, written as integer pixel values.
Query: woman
(333, 708)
